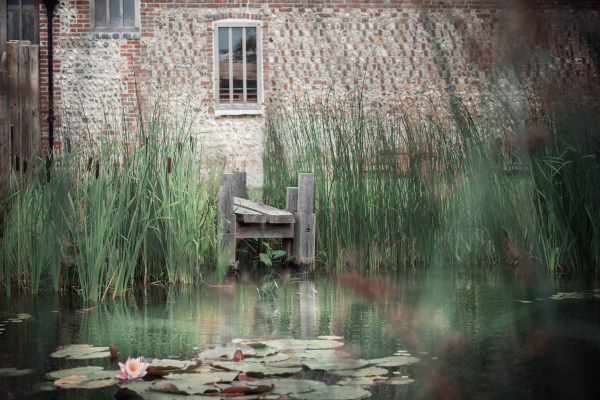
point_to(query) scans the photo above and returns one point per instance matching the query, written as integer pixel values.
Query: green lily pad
(288, 386)
(227, 351)
(44, 387)
(360, 381)
(173, 365)
(23, 316)
(63, 373)
(295, 344)
(80, 352)
(12, 372)
(268, 359)
(394, 361)
(264, 351)
(226, 377)
(259, 370)
(82, 382)
(134, 388)
(188, 384)
(152, 395)
(333, 392)
(399, 381)
(228, 365)
(322, 354)
(363, 372)
(291, 363)
(334, 364)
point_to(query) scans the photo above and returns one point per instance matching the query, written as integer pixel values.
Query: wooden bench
(240, 218)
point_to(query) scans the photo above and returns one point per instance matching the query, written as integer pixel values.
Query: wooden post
(12, 67)
(35, 102)
(227, 219)
(3, 26)
(240, 184)
(25, 105)
(4, 133)
(291, 205)
(3, 62)
(304, 228)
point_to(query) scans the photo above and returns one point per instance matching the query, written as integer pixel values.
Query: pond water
(474, 335)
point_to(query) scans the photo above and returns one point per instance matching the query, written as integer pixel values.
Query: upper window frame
(238, 109)
(93, 27)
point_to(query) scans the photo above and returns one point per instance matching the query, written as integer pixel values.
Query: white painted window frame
(238, 109)
(136, 7)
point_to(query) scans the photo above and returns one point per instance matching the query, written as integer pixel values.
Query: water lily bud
(113, 350)
(238, 355)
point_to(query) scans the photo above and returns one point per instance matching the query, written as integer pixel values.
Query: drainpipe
(50, 5)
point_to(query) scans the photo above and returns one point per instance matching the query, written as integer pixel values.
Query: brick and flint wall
(403, 49)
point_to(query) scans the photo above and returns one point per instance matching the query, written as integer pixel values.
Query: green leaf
(12, 372)
(82, 382)
(265, 259)
(394, 361)
(334, 364)
(278, 253)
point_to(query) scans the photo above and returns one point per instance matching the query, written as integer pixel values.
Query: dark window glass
(28, 20)
(224, 65)
(238, 64)
(115, 13)
(128, 13)
(101, 20)
(251, 66)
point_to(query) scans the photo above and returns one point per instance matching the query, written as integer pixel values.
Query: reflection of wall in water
(308, 309)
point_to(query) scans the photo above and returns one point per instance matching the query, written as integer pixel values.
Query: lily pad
(187, 384)
(259, 370)
(394, 361)
(227, 351)
(334, 364)
(63, 373)
(134, 388)
(333, 392)
(295, 344)
(264, 351)
(268, 359)
(291, 363)
(80, 352)
(44, 387)
(152, 395)
(12, 372)
(226, 377)
(399, 381)
(174, 365)
(330, 337)
(288, 386)
(322, 354)
(360, 381)
(363, 372)
(82, 382)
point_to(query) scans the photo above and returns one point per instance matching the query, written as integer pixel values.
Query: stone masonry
(399, 49)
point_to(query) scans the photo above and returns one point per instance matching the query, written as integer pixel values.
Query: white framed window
(115, 15)
(238, 67)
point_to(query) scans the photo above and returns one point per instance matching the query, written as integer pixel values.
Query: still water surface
(474, 339)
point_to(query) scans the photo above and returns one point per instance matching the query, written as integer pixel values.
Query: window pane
(27, 2)
(238, 65)
(101, 14)
(251, 66)
(115, 13)
(28, 20)
(128, 13)
(224, 65)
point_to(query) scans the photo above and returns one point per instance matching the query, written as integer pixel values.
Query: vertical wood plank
(304, 240)
(240, 184)
(3, 63)
(12, 67)
(4, 133)
(291, 199)
(306, 193)
(24, 103)
(35, 101)
(227, 223)
(3, 26)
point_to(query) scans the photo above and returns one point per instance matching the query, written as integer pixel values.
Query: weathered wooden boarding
(240, 218)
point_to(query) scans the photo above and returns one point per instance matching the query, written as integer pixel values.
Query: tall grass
(137, 206)
(397, 188)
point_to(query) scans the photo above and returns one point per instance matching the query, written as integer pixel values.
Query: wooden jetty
(240, 218)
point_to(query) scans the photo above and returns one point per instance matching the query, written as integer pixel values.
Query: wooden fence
(20, 109)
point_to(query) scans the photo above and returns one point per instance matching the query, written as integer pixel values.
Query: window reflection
(251, 66)
(224, 65)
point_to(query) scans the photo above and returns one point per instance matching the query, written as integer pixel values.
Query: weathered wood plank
(4, 133)
(291, 199)
(265, 231)
(35, 99)
(12, 67)
(274, 215)
(3, 27)
(226, 224)
(229, 181)
(248, 216)
(306, 193)
(3, 62)
(240, 184)
(304, 240)
(24, 103)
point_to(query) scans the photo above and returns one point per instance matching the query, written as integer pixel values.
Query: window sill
(116, 35)
(226, 112)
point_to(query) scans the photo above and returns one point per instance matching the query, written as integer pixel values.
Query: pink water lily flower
(132, 369)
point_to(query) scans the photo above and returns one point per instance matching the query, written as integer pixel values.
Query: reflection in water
(479, 341)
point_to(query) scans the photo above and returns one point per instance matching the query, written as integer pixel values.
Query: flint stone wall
(401, 50)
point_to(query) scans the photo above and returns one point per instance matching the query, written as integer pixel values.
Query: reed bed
(399, 189)
(136, 207)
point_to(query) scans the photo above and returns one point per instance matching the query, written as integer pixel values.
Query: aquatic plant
(132, 369)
